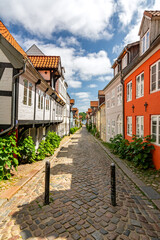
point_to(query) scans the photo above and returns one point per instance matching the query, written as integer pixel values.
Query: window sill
(157, 90)
(139, 97)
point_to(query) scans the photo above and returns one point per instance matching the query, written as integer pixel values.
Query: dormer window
(145, 42)
(116, 70)
(124, 61)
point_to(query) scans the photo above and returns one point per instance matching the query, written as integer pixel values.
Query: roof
(94, 103)
(45, 61)
(34, 51)
(128, 46)
(89, 110)
(74, 109)
(101, 93)
(151, 13)
(71, 101)
(7, 35)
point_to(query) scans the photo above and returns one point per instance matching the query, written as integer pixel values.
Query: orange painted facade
(152, 99)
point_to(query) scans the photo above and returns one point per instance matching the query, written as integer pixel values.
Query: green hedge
(25, 151)
(73, 130)
(139, 151)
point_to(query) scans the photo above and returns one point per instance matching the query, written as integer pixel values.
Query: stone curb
(149, 192)
(9, 193)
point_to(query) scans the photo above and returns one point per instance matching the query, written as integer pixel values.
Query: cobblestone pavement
(80, 201)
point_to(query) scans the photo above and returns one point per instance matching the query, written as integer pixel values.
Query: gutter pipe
(13, 123)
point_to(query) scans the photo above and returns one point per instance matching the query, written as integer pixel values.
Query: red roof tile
(45, 61)
(151, 13)
(94, 103)
(71, 101)
(101, 93)
(7, 35)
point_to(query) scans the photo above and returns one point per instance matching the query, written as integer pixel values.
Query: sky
(88, 35)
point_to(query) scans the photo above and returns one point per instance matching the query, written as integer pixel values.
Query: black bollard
(47, 182)
(113, 185)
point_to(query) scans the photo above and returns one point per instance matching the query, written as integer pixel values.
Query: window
(116, 70)
(113, 128)
(47, 102)
(140, 126)
(27, 96)
(108, 127)
(155, 76)
(30, 94)
(25, 91)
(124, 61)
(119, 95)
(119, 124)
(129, 126)
(155, 128)
(113, 98)
(40, 99)
(129, 91)
(145, 42)
(140, 85)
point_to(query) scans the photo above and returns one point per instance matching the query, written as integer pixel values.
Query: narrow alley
(80, 201)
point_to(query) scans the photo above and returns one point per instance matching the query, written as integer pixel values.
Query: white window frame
(116, 70)
(157, 73)
(124, 61)
(145, 42)
(47, 102)
(119, 95)
(129, 126)
(119, 124)
(157, 119)
(140, 85)
(108, 127)
(40, 100)
(112, 98)
(140, 126)
(113, 128)
(29, 93)
(129, 91)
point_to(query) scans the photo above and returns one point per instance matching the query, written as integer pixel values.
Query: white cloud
(92, 85)
(105, 78)
(68, 41)
(74, 84)
(82, 95)
(93, 64)
(118, 48)
(88, 19)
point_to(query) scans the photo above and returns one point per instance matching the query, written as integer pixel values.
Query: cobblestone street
(80, 201)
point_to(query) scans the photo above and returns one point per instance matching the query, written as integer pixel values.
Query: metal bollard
(47, 183)
(113, 185)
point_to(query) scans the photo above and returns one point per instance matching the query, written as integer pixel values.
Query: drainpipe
(37, 83)
(13, 123)
(122, 82)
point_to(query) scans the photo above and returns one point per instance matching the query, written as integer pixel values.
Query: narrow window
(129, 126)
(129, 91)
(25, 92)
(140, 85)
(30, 94)
(140, 126)
(39, 99)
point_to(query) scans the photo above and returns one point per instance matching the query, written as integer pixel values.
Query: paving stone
(135, 223)
(76, 236)
(25, 234)
(97, 235)
(103, 231)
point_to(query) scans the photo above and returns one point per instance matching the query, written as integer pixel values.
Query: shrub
(138, 151)
(89, 127)
(27, 150)
(8, 151)
(47, 146)
(73, 130)
(53, 139)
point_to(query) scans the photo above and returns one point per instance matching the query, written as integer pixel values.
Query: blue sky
(87, 34)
